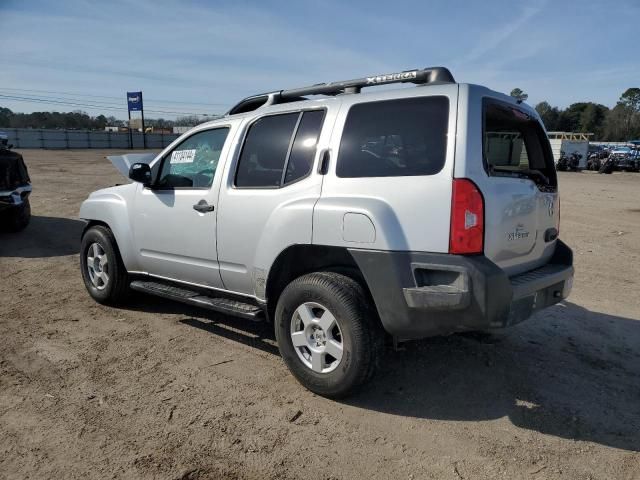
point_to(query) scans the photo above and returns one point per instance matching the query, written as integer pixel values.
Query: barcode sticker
(182, 156)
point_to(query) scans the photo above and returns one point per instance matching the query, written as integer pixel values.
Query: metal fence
(80, 139)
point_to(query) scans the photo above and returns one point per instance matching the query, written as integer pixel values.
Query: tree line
(79, 120)
(617, 124)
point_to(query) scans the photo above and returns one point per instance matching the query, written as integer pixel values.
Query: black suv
(15, 188)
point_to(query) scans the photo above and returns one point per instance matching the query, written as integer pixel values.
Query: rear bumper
(14, 198)
(423, 294)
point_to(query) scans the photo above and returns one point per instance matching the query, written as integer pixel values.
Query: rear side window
(279, 149)
(515, 145)
(304, 146)
(395, 138)
(265, 151)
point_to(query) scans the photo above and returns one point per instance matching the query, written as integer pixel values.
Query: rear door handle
(324, 162)
(203, 207)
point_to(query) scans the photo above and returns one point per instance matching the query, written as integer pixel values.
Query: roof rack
(433, 75)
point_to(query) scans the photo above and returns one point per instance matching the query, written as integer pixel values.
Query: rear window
(515, 145)
(394, 138)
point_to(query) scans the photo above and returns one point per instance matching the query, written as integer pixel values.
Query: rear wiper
(522, 173)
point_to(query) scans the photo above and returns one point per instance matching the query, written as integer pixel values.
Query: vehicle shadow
(568, 372)
(43, 237)
(258, 335)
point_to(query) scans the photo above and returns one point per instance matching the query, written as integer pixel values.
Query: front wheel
(328, 333)
(103, 272)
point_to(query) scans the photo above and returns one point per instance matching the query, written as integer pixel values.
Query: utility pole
(130, 132)
(144, 132)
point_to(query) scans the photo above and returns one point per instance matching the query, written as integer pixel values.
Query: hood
(124, 162)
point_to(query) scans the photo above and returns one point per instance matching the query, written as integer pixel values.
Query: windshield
(515, 145)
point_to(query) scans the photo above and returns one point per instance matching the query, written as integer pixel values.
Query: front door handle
(203, 207)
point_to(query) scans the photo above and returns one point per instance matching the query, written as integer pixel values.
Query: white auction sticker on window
(182, 156)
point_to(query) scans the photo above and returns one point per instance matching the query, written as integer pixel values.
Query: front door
(174, 222)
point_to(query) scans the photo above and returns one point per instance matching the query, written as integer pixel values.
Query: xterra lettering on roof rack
(395, 77)
(433, 75)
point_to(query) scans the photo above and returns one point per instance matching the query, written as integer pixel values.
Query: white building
(180, 129)
(569, 142)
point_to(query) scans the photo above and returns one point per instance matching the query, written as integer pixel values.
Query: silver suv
(344, 218)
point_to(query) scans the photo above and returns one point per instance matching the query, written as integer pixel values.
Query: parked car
(15, 188)
(344, 218)
(626, 164)
(624, 159)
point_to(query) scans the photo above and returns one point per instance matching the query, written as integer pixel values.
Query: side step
(190, 297)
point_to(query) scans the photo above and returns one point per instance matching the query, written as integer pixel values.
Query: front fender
(111, 206)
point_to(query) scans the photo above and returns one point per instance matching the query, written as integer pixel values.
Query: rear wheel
(328, 334)
(103, 272)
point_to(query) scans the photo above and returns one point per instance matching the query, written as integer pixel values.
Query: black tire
(362, 337)
(116, 289)
(16, 219)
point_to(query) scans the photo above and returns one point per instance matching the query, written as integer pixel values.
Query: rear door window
(265, 151)
(394, 138)
(515, 145)
(279, 149)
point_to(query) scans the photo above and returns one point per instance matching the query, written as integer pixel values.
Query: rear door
(268, 194)
(519, 186)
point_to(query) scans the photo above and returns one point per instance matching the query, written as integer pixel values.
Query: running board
(191, 297)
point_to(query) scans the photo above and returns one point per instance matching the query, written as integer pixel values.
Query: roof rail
(424, 76)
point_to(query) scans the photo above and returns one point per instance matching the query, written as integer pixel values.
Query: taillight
(467, 218)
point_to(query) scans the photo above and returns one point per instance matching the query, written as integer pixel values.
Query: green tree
(191, 120)
(519, 94)
(615, 125)
(549, 115)
(592, 119)
(5, 117)
(623, 121)
(631, 98)
(100, 122)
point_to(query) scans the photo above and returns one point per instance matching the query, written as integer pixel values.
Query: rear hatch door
(519, 188)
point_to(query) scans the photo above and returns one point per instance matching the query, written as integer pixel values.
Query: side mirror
(141, 173)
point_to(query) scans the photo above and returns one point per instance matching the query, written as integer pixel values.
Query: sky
(204, 56)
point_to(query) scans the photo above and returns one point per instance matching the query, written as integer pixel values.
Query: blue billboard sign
(134, 101)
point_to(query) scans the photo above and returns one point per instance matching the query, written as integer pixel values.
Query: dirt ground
(159, 390)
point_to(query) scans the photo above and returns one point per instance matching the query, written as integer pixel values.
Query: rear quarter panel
(407, 213)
